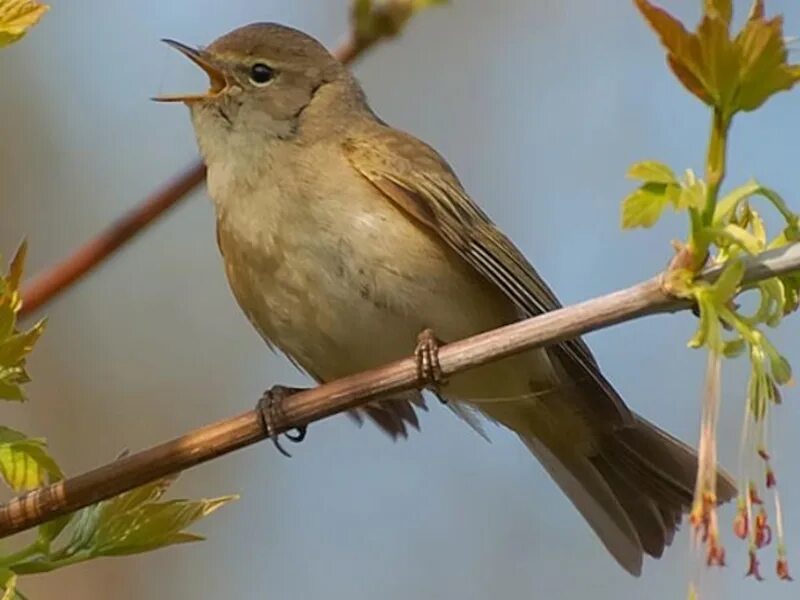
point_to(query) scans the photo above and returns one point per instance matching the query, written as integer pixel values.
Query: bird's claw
(270, 410)
(429, 370)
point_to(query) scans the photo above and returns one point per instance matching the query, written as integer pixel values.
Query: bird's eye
(261, 74)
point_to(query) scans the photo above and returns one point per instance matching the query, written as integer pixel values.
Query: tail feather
(595, 500)
(633, 490)
(644, 513)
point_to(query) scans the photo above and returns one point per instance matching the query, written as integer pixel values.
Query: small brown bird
(344, 238)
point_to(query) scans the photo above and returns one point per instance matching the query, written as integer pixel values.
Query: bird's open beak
(218, 83)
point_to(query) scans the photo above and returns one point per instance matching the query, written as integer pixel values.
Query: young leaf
(132, 522)
(791, 286)
(374, 19)
(683, 49)
(16, 17)
(14, 345)
(8, 581)
(728, 74)
(24, 462)
(779, 366)
(643, 207)
(651, 171)
(720, 61)
(15, 270)
(693, 192)
(722, 9)
(49, 531)
(728, 283)
(709, 321)
(733, 348)
(727, 205)
(151, 526)
(763, 65)
(742, 238)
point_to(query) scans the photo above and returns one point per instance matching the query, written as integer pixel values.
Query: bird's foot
(429, 370)
(270, 410)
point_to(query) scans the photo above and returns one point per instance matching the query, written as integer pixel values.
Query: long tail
(633, 489)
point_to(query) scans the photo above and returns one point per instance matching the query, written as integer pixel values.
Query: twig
(46, 286)
(201, 445)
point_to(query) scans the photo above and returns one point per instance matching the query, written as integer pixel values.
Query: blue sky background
(540, 106)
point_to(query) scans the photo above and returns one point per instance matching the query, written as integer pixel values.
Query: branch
(204, 444)
(45, 286)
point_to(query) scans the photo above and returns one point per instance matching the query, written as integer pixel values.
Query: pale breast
(331, 272)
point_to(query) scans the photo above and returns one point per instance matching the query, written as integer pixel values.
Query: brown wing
(413, 176)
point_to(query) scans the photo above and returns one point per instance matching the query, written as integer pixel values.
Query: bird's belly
(342, 297)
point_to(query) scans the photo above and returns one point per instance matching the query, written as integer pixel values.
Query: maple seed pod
(754, 497)
(753, 570)
(771, 481)
(782, 569)
(741, 525)
(715, 556)
(763, 532)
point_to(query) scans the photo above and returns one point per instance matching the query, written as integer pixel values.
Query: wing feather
(413, 176)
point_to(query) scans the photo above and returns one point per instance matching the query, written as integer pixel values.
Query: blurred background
(540, 106)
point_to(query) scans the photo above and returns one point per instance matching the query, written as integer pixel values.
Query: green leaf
(727, 206)
(763, 69)
(376, 19)
(24, 462)
(721, 9)
(778, 202)
(779, 367)
(719, 62)
(728, 74)
(146, 494)
(683, 48)
(151, 526)
(709, 330)
(7, 320)
(742, 238)
(134, 522)
(14, 345)
(726, 287)
(17, 265)
(691, 197)
(16, 17)
(756, 10)
(651, 171)
(733, 348)
(85, 524)
(773, 298)
(791, 287)
(14, 348)
(49, 531)
(8, 580)
(643, 207)
(692, 192)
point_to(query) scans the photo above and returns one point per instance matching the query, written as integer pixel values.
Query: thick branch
(204, 444)
(45, 286)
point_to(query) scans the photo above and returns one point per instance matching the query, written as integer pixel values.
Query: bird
(347, 242)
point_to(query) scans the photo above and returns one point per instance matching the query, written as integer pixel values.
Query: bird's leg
(270, 410)
(428, 368)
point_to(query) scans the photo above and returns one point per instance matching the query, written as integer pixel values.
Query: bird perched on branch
(344, 239)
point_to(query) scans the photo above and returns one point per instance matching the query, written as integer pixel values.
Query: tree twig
(47, 285)
(206, 443)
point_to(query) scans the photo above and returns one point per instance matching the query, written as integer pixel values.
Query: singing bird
(343, 239)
